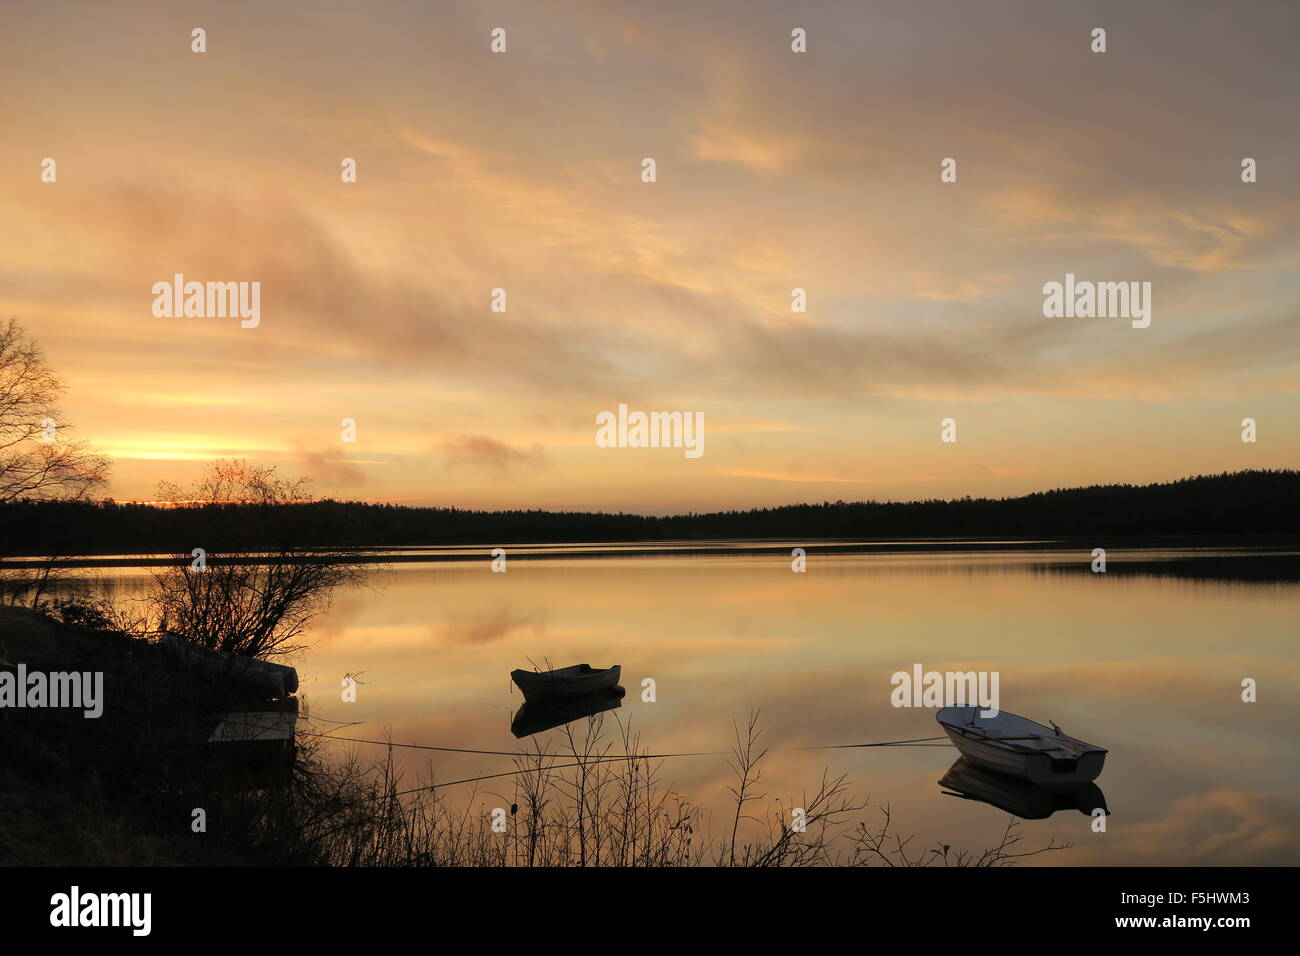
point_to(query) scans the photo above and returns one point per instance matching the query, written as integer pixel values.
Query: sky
(775, 170)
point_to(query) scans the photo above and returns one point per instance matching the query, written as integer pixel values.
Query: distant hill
(1244, 503)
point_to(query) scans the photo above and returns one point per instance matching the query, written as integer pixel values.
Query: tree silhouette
(36, 458)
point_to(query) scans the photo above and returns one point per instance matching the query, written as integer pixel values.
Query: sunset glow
(774, 173)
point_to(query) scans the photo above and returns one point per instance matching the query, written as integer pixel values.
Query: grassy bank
(122, 789)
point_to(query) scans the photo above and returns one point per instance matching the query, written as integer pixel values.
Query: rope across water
(910, 742)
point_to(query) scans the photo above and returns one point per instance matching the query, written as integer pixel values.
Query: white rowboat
(1021, 748)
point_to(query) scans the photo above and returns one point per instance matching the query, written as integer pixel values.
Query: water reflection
(537, 716)
(1211, 779)
(1029, 801)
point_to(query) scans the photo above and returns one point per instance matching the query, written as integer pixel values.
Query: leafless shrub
(263, 583)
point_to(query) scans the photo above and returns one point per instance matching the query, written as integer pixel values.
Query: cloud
(488, 625)
(330, 465)
(776, 170)
(480, 451)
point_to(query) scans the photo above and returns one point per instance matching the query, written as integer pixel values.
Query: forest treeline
(1238, 503)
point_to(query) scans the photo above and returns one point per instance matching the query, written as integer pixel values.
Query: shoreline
(1214, 546)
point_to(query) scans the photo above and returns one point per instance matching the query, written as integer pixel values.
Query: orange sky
(775, 170)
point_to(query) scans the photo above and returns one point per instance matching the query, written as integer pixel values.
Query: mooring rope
(500, 753)
(917, 741)
(538, 755)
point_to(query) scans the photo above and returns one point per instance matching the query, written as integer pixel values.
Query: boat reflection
(536, 716)
(1029, 801)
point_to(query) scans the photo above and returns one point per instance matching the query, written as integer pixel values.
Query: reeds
(595, 801)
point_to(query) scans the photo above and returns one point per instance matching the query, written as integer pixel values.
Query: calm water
(1145, 660)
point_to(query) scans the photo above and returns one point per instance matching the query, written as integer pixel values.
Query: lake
(1146, 660)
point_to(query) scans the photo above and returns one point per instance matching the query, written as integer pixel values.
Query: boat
(1029, 801)
(536, 716)
(1021, 748)
(565, 681)
(248, 749)
(246, 676)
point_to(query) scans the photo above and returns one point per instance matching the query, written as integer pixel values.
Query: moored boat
(1020, 747)
(565, 681)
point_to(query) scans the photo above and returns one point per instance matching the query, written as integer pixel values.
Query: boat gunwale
(1007, 743)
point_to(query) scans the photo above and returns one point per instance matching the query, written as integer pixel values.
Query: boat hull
(1034, 767)
(1021, 748)
(566, 682)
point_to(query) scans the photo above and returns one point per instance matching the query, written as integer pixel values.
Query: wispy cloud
(776, 171)
(480, 451)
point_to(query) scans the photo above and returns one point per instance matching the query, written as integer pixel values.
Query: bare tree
(37, 460)
(262, 578)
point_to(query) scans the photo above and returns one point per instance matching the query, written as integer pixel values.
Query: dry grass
(598, 801)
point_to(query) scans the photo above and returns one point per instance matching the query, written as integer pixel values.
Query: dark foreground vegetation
(123, 789)
(1245, 503)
